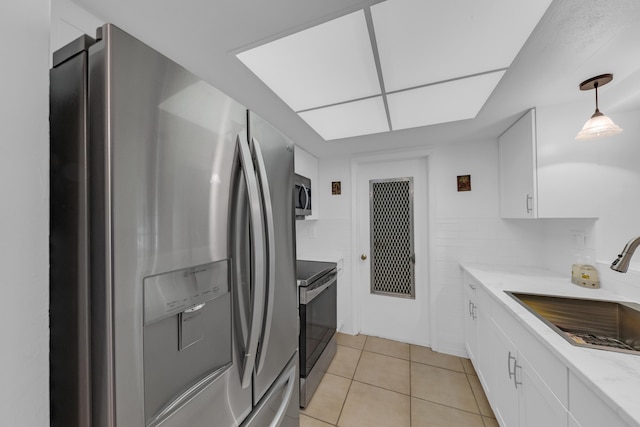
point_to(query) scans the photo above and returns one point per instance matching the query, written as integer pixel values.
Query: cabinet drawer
(546, 364)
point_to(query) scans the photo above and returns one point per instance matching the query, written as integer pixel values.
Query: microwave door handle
(271, 251)
(257, 259)
(302, 190)
(306, 196)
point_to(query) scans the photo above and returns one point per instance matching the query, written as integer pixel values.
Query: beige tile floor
(377, 382)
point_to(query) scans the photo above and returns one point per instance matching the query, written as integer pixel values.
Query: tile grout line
(351, 382)
(318, 419)
(452, 407)
(410, 389)
(475, 398)
(382, 388)
(440, 367)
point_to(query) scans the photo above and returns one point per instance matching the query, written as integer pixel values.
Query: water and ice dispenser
(187, 335)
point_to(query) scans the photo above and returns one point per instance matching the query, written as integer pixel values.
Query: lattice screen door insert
(392, 250)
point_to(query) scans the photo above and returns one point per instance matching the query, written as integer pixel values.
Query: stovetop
(309, 271)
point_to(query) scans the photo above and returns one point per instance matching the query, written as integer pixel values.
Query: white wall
(618, 197)
(615, 193)
(24, 213)
(467, 229)
(619, 191)
(25, 40)
(68, 22)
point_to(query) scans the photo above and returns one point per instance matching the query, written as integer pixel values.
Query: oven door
(318, 318)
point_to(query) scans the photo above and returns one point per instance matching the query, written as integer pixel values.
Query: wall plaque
(464, 182)
(335, 188)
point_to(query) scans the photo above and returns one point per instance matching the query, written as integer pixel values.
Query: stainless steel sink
(605, 325)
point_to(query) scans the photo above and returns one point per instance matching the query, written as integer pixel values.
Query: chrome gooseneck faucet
(621, 264)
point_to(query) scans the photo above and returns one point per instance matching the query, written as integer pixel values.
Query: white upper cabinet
(544, 171)
(306, 165)
(517, 164)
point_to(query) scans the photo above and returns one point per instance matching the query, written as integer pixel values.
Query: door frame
(423, 155)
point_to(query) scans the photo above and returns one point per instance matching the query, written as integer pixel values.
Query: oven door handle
(307, 296)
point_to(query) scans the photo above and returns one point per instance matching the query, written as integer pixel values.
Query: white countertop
(615, 377)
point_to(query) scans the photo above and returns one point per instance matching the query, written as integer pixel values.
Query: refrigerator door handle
(271, 250)
(286, 400)
(257, 260)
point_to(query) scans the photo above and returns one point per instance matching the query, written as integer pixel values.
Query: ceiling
(396, 65)
(574, 40)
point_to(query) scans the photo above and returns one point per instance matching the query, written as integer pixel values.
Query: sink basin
(604, 325)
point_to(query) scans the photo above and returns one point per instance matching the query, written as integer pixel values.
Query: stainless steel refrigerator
(173, 291)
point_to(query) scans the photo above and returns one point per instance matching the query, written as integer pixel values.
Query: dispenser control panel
(172, 293)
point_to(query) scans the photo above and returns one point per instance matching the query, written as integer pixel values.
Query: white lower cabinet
(517, 392)
(587, 409)
(520, 396)
(498, 365)
(526, 383)
(538, 405)
(471, 312)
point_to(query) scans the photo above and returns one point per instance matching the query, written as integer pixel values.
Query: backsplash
(627, 284)
(330, 240)
(539, 243)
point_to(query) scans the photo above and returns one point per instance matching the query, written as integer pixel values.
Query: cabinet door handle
(511, 374)
(516, 383)
(529, 207)
(473, 311)
(470, 309)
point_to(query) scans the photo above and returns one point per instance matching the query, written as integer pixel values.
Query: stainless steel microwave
(302, 196)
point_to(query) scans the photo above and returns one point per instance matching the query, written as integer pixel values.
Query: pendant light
(598, 125)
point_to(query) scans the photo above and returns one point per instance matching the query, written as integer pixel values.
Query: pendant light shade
(598, 125)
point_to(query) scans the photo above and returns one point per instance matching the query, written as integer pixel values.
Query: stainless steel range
(317, 283)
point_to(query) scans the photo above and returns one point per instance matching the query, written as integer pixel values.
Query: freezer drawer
(280, 405)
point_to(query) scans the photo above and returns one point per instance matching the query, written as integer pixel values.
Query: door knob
(363, 257)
